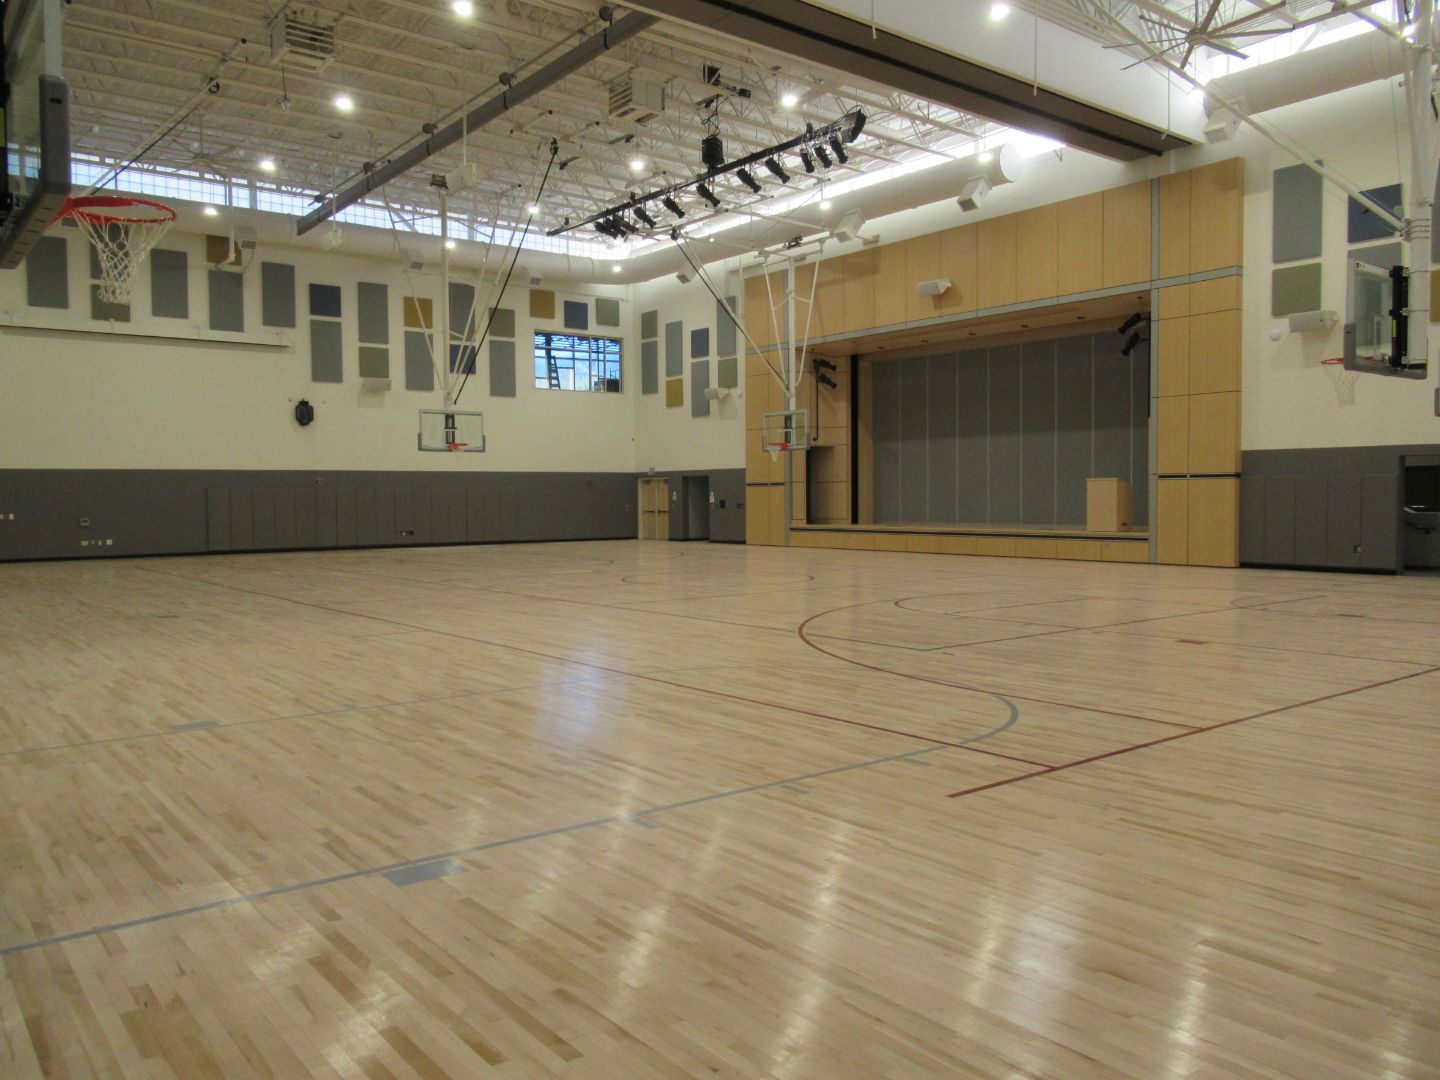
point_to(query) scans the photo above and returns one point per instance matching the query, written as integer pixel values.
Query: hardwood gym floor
(657, 810)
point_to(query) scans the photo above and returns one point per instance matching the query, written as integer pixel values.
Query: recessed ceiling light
(267, 164)
(463, 8)
(344, 102)
(210, 211)
(533, 208)
(998, 12)
(789, 99)
(637, 164)
(615, 268)
(450, 245)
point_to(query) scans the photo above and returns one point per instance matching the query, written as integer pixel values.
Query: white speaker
(933, 288)
(973, 193)
(332, 238)
(414, 261)
(849, 227)
(685, 277)
(717, 393)
(1305, 321)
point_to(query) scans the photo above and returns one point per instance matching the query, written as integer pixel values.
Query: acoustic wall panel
(325, 301)
(1296, 215)
(942, 444)
(727, 373)
(1006, 442)
(649, 367)
(699, 383)
(374, 362)
(1294, 289)
(462, 358)
(277, 295)
(699, 343)
(914, 439)
(169, 284)
(326, 355)
(885, 425)
(1038, 432)
(419, 371)
(577, 315)
(1074, 378)
(674, 393)
(607, 311)
(649, 324)
(502, 368)
(227, 301)
(972, 436)
(674, 349)
(419, 313)
(1382, 255)
(373, 307)
(542, 304)
(502, 322)
(1111, 414)
(462, 303)
(1362, 222)
(725, 326)
(47, 273)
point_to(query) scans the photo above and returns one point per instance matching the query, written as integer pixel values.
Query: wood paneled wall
(1075, 246)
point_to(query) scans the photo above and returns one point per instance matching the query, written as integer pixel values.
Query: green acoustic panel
(374, 362)
(727, 372)
(649, 367)
(105, 311)
(227, 301)
(1294, 289)
(502, 322)
(373, 308)
(169, 284)
(419, 370)
(502, 369)
(649, 324)
(326, 357)
(725, 326)
(47, 273)
(674, 349)
(277, 294)
(607, 312)
(699, 383)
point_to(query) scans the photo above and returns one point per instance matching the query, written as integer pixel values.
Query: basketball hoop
(775, 449)
(456, 447)
(123, 230)
(1341, 379)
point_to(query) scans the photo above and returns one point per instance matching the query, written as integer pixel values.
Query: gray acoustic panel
(1074, 433)
(649, 324)
(1111, 412)
(1294, 289)
(607, 311)
(649, 367)
(325, 301)
(1038, 428)
(699, 383)
(885, 423)
(227, 301)
(914, 439)
(463, 357)
(1297, 209)
(169, 284)
(374, 362)
(1140, 435)
(373, 308)
(700, 343)
(462, 305)
(1006, 441)
(725, 326)
(502, 322)
(1362, 224)
(727, 372)
(47, 273)
(1382, 255)
(674, 349)
(577, 315)
(277, 294)
(972, 437)
(104, 310)
(419, 370)
(502, 369)
(326, 355)
(943, 444)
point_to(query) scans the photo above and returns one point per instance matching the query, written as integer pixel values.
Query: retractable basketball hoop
(782, 432)
(123, 230)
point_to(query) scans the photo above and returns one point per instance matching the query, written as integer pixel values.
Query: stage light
(712, 152)
(838, 150)
(823, 156)
(703, 190)
(1130, 323)
(748, 180)
(674, 207)
(825, 380)
(644, 215)
(1130, 343)
(807, 161)
(777, 170)
(857, 128)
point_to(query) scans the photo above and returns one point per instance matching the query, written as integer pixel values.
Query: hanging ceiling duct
(1352, 62)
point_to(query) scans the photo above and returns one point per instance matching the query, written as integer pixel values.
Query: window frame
(542, 382)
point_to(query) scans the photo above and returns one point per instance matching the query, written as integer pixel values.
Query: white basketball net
(122, 247)
(1342, 380)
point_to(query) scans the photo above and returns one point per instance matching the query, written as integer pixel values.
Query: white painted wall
(86, 400)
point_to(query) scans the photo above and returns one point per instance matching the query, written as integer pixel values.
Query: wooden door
(654, 509)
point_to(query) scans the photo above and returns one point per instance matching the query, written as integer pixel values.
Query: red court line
(1186, 734)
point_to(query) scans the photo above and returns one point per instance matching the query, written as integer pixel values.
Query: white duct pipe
(1418, 101)
(1352, 62)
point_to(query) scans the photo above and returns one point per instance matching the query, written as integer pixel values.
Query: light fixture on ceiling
(826, 204)
(986, 158)
(345, 103)
(637, 164)
(703, 190)
(999, 11)
(210, 211)
(749, 181)
(777, 170)
(267, 164)
(674, 207)
(615, 268)
(838, 150)
(463, 8)
(789, 99)
(807, 160)
(644, 215)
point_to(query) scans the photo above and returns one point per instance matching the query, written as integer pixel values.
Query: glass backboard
(36, 126)
(452, 431)
(1371, 331)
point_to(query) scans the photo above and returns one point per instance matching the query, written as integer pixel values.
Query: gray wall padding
(699, 383)
(1008, 436)
(47, 273)
(277, 295)
(169, 284)
(326, 354)
(373, 306)
(502, 369)
(227, 301)
(419, 369)
(674, 350)
(649, 367)
(1298, 204)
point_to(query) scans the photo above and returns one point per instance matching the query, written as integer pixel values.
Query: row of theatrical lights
(619, 227)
